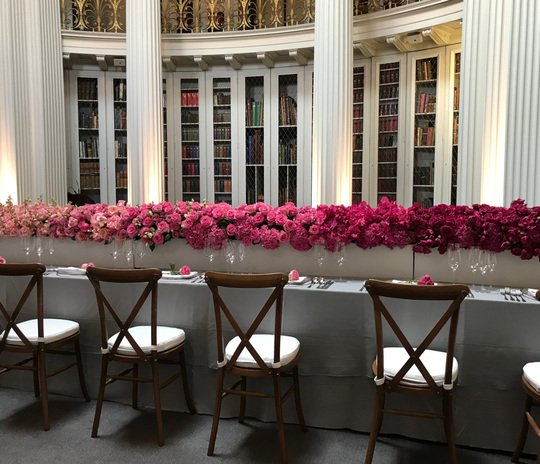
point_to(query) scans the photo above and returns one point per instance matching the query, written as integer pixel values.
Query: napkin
(168, 275)
(532, 291)
(71, 271)
(300, 281)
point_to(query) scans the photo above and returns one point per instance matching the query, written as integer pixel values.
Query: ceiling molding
(367, 49)
(399, 43)
(201, 62)
(233, 61)
(169, 63)
(102, 62)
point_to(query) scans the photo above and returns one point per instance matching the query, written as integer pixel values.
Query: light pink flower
(87, 265)
(2, 260)
(185, 270)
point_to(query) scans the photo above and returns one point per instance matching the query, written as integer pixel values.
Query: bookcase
(359, 76)
(455, 72)
(120, 181)
(165, 140)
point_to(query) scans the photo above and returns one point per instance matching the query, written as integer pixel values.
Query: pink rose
(185, 270)
(87, 265)
(293, 275)
(2, 260)
(426, 280)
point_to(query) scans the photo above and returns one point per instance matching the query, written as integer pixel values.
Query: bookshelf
(358, 132)
(388, 130)
(287, 124)
(120, 138)
(190, 139)
(87, 136)
(165, 142)
(426, 71)
(254, 139)
(222, 139)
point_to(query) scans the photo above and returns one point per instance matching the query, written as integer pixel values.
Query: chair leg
(35, 364)
(524, 430)
(297, 401)
(279, 417)
(101, 395)
(157, 402)
(135, 387)
(81, 371)
(43, 385)
(217, 410)
(242, 413)
(448, 413)
(185, 384)
(376, 424)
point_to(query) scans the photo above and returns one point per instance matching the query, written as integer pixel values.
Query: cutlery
(328, 283)
(314, 280)
(322, 282)
(503, 292)
(517, 293)
(507, 291)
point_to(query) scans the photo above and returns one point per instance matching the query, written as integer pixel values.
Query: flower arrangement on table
(516, 228)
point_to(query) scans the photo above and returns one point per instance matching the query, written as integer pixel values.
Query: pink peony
(185, 270)
(2, 260)
(87, 265)
(293, 275)
(426, 280)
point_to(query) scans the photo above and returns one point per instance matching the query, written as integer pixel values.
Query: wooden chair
(251, 354)
(415, 371)
(141, 344)
(37, 337)
(531, 385)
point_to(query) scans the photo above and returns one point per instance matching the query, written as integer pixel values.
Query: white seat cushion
(53, 330)
(531, 372)
(264, 345)
(435, 362)
(167, 338)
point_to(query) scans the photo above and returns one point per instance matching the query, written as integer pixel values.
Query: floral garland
(516, 228)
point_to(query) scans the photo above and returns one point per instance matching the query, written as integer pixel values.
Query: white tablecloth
(336, 331)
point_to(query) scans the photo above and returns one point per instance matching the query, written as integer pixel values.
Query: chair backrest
(452, 294)
(275, 281)
(35, 272)
(151, 276)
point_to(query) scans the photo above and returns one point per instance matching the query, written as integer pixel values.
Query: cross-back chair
(136, 344)
(251, 354)
(415, 371)
(36, 337)
(531, 384)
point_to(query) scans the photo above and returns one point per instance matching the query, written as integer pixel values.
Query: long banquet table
(495, 339)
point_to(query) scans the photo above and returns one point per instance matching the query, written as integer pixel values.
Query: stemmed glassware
(454, 259)
(128, 252)
(210, 250)
(491, 262)
(229, 252)
(339, 255)
(48, 246)
(28, 244)
(139, 250)
(115, 250)
(474, 260)
(319, 255)
(39, 247)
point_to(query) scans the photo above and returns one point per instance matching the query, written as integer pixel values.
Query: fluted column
(32, 118)
(499, 125)
(523, 123)
(332, 103)
(144, 101)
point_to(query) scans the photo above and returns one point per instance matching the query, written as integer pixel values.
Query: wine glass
(139, 249)
(229, 252)
(339, 255)
(210, 250)
(454, 259)
(492, 262)
(319, 254)
(27, 244)
(39, 247)
(474, 257)
(483, 266)
(48, 246)
(128, 252)
(115, 250)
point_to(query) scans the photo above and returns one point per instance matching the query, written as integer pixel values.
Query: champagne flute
(48, 245)
(39, 248)
(474, 256)
(115, 249)
(210, 250)
(229, 252)
(339, 254)
(319, 254)
(454, 259)
(128, 251)
(492, 262)
(139, 249)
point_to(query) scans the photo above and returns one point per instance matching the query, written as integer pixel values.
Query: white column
(332, 103)
(523, 124)
(499, 122)
(144, 101)
(32, 119)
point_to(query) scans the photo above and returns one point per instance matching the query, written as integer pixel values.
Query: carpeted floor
(128, 436)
